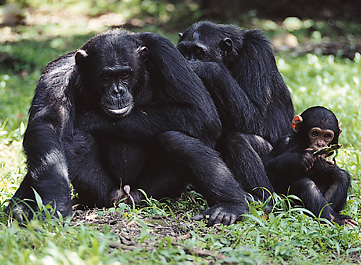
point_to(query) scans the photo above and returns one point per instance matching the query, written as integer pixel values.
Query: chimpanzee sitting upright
(294, 167)
(239, 70)
(124, 110)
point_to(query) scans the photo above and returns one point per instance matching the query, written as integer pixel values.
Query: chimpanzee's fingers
(198, 217)
(350, 222)
(126, 189)
(216, 217)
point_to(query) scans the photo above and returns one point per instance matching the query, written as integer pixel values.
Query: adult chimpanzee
(294, 167)
(124, 110)
(240, 72)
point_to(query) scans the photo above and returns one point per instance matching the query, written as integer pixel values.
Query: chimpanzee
(125, 110)
(239, 70)
(297, 166)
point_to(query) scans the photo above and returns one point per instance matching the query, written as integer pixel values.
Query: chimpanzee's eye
(124, 73)
(327, 135)
(106, 76)
(314, 134)
(199, 53)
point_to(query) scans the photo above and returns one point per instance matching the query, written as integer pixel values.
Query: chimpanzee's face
(112, 73)
(317, 127)
(320, 138)
(116, 98)
(204, 43)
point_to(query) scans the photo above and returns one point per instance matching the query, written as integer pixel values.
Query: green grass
(286, 236)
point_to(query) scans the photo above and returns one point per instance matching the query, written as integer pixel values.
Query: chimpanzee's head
(209, 42)
(111, 71)
(317, 127)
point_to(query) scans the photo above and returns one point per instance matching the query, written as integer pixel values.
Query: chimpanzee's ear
(339, 128)
(80, 55)
(143, 53)
(296, 122)
(226, 45)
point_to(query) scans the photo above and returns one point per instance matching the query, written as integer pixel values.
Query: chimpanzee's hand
(344, 220)
(222, 213)
(126, 196)
(308, 160)
(20, 211)
(321, 163)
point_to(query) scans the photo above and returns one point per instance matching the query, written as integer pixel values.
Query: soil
(129, 231)
(131, 227)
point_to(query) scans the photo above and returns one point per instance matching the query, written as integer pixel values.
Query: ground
(129, 231)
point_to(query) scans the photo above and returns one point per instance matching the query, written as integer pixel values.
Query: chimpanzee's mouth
(120, 112)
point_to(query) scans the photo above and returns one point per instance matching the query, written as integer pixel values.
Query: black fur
(239, 70)
(322, 188)
(125, 109)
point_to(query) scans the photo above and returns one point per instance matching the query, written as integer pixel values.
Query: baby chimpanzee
(298, 165)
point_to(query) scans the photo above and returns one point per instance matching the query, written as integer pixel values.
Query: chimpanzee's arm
(333, 181)
(148, 121)
(233, 104)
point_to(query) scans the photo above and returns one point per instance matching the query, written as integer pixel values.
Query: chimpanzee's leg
(336, 193)
(201, 166)
(312, 198)
(243, 155)
(93, 183)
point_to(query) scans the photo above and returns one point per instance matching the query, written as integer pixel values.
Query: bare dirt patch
(129, 231)
(131, 227)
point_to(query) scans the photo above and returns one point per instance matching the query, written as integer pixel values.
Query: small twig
(201, 252)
